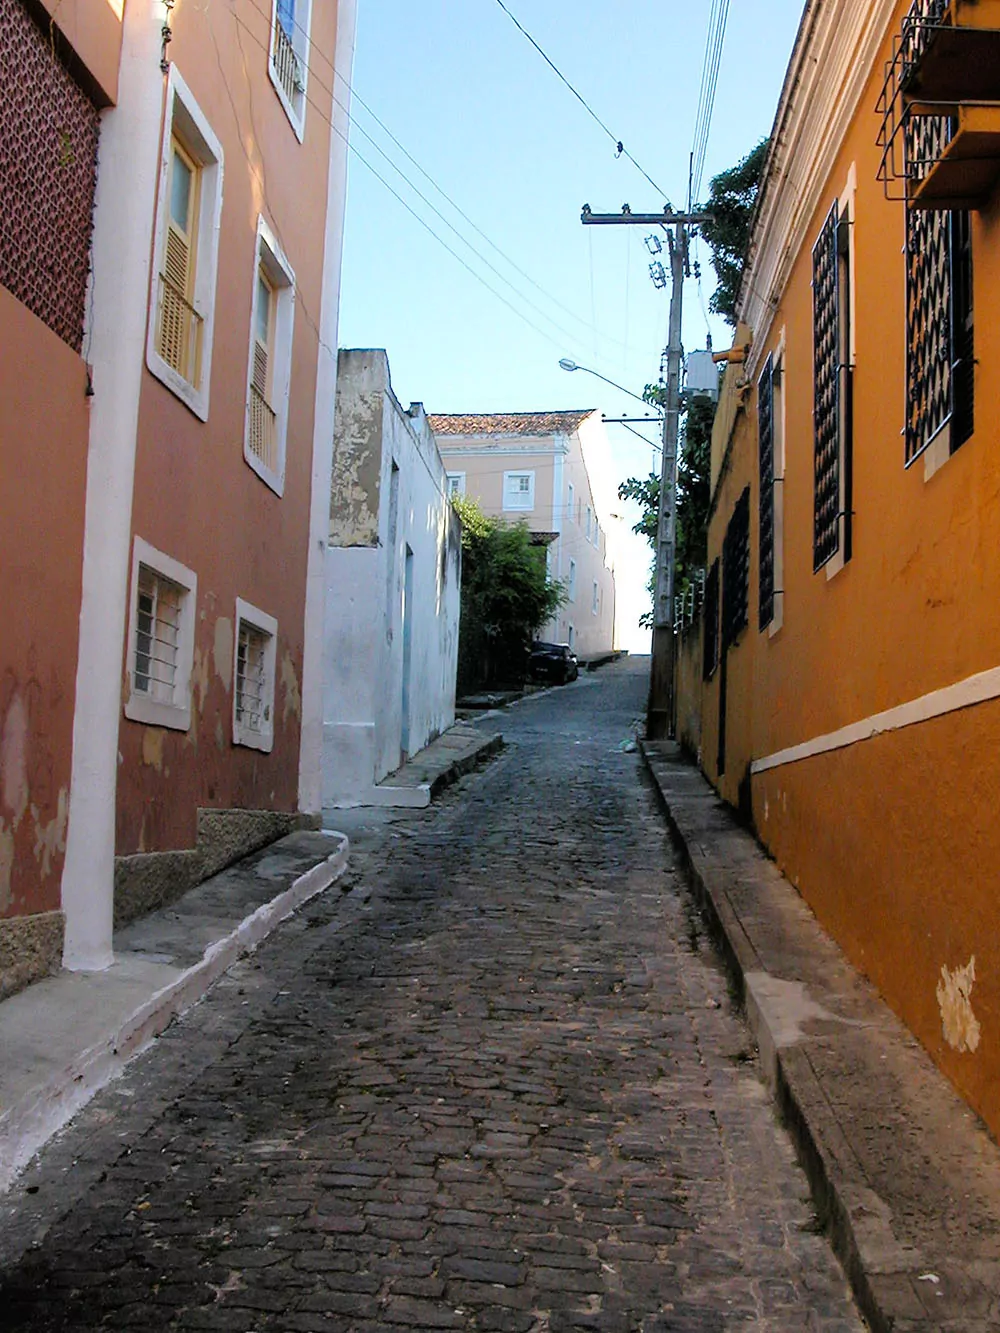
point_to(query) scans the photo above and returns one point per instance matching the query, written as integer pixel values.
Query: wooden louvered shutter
(175, 335)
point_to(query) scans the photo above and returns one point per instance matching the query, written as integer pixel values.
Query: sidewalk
(64, 1038)
(904, 1175)
(455, 752)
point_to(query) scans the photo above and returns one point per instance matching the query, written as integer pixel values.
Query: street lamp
(567, 364)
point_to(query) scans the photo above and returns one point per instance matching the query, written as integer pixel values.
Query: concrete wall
(867, 727)
(377, 516)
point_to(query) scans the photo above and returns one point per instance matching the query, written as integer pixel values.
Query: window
(571, 591)
(269, 373)
(571, 636)
(765, 450)
(160, 639)
(597, 532)
(186, 250)
(288, 64)
(736, 571)
(832, 385)
(586, 527)
(570, 493)
(456, 483)
(711, 642)
(253, 677)
(939, 333)
(519, 490)
(595, 604)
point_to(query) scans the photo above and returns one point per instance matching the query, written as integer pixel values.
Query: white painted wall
(363, 651)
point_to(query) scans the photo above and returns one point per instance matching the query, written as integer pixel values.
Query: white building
(393, 576)
(553, 470)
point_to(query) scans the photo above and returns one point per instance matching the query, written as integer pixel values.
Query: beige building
(552, 470)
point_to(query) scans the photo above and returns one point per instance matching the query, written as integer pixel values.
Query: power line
(714, 41)
(620, 149)
(609, 338)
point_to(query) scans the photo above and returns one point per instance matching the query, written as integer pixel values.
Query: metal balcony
(940, 106)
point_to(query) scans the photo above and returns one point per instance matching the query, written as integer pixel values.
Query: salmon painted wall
(93, 29)
(42, 486)
(892, 841)
(196, 499)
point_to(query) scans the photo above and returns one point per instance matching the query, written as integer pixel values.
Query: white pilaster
(311, 744)
(128, 157)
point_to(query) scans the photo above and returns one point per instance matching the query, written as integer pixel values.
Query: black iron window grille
(826, 391)
(939, 329)
(736, 572)
(765, 446)
(711, 641)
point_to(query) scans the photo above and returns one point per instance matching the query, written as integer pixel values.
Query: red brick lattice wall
(48, 168)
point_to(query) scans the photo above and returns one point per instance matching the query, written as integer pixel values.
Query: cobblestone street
(497, 1085)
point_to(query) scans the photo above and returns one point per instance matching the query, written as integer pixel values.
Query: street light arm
(566, 364)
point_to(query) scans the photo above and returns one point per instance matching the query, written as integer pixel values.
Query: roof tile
(507, 423)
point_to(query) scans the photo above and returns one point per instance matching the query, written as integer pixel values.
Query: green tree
(507, 596)
(731, 201)
(693, 494)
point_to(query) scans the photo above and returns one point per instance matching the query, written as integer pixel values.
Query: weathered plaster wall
(42, 486)
(363, 726)
(195, 497)
(690, 659)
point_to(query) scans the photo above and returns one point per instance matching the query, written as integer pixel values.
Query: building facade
(849, 692)
(393, 586)
(170, 289)
(552, 471)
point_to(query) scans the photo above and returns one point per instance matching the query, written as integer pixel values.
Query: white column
(128, 157)
(311, 744)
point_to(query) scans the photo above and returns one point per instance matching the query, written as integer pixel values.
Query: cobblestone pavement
(498, 1085)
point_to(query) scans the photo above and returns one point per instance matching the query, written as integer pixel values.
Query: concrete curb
(417, 796)
(862, 1100)
(27, 1125)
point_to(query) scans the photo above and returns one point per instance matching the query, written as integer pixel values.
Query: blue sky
(489, 122)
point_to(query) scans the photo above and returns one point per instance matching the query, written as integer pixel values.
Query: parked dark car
(553, 661)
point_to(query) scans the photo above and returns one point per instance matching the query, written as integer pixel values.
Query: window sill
(175, 717)
(275, 480)
(194, 399)
(254, 740)
(296, 120)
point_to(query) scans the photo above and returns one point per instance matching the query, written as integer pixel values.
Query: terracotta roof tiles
(507, 423)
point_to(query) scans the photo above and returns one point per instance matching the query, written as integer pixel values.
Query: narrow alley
(497, 1084)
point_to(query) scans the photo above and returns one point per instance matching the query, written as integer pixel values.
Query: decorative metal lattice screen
(928, 327)
(736, 571)
(710, 658)
(48, 167)
(765, 447)
(826, 392)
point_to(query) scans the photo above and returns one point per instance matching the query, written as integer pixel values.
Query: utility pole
(660, 708)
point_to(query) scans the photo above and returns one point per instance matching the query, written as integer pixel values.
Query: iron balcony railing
(287, 65)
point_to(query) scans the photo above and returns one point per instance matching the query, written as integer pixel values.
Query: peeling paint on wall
(50, 838)
(199, 678)
(152, 747)
(290, 684)
(954, 995)
(222, 651)
(14, 758)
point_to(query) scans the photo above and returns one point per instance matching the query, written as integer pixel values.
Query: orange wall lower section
(43, 472)
(894, 843)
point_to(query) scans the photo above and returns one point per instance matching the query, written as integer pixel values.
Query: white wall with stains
(388, 505)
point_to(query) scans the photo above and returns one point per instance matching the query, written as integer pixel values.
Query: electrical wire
(715, 39)
(356, 96)
(621, 150)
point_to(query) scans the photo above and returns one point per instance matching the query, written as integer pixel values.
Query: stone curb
(27, 1125)
(896, 1265)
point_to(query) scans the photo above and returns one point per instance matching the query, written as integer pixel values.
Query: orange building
(174, 184)
(848, 690)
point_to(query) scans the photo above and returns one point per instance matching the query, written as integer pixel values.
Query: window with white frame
(587, 525)
(288, 61)
(160, 648)
(456, 483)
(186, 250)
(270, 367)
(597, 532)
(518, 490)
(253, 677)
(595, 604)
(571, 590)
(570, 493)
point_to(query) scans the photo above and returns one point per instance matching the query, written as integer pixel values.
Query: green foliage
(507, 597)
(693, 496)
(731, 201)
